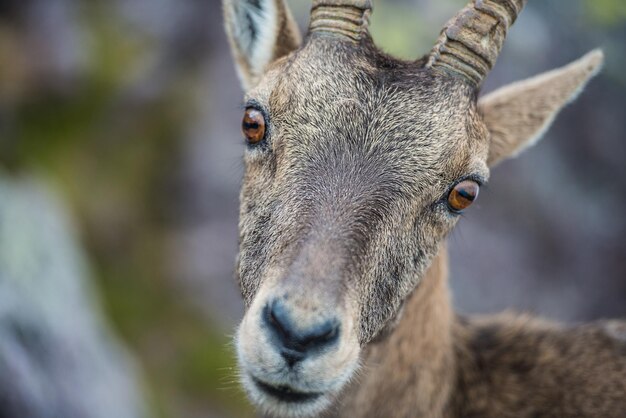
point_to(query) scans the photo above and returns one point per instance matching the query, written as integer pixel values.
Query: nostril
(331, 334)
(323, 334)
(276, 317)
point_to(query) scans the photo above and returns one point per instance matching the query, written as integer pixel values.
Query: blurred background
(120, 163)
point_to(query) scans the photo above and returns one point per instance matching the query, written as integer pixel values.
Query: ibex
(357, 166)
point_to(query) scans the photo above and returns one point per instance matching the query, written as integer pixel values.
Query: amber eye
(463, 195)
(253, 125)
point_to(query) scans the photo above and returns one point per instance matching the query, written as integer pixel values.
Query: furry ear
(259, 31)
(517, 115)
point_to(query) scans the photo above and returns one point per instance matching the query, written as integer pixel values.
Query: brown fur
(344, 216)
(535, 102)
(412, 371)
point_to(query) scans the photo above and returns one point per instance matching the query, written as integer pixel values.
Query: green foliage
(185, 358)
(607, 12)
(396, 30)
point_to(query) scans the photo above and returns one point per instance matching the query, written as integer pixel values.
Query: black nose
(295, 344)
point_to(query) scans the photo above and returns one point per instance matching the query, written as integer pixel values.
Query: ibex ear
(259, 31)
(517, 115)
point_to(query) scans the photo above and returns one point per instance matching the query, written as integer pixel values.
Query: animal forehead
(330, 87)
(329, 101)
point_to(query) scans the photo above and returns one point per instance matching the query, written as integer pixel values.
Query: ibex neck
(411, 372)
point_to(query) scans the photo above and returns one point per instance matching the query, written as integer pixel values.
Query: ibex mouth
(294, 356)
(285, 393)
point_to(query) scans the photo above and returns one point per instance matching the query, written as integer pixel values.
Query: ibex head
(357, 166)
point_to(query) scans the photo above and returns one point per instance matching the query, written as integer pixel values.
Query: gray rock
(58, 357)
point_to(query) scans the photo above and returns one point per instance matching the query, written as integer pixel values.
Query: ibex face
(343, 203)
(357, 166)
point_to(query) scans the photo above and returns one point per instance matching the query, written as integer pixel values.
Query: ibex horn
(341, 18)
(470, 42)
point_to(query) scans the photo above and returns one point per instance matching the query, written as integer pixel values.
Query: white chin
(282, 402)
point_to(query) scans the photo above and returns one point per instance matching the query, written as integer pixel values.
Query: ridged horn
(341, 18)
(470, 42)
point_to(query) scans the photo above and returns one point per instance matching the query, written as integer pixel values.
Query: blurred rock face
(58, 358)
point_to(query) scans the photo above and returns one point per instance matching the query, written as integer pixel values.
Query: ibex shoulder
(522, 366)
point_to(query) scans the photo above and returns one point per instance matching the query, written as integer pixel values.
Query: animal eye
(253, 125)
(462, 195)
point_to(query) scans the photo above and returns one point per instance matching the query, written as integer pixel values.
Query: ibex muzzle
(357, 166)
